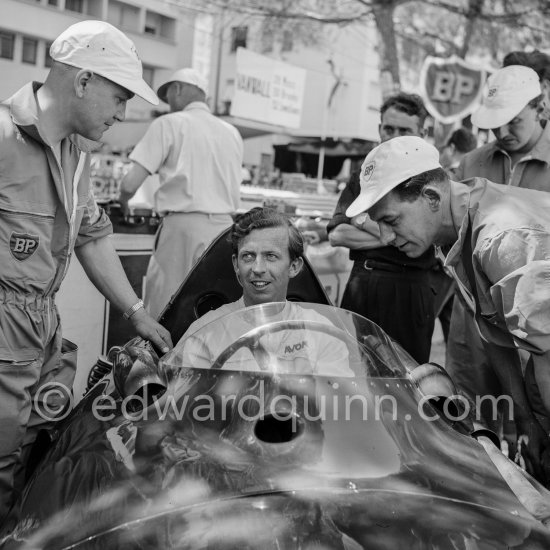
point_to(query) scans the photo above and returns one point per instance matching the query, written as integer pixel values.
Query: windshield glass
(289, 338)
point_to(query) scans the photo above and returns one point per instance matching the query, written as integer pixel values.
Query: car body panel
(338, 458)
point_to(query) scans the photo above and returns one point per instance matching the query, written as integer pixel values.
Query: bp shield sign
(451, 88)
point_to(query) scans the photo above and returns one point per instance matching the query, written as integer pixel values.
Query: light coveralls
(46, 210)
(466, 360)
(509, 255)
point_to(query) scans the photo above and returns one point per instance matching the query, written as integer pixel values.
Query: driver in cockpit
(267, 253)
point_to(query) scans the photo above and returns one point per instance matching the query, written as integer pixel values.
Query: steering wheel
(251, 340)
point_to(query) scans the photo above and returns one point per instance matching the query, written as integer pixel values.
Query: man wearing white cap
(387, 287)
(47, 212)
(494, 240)
(519, 157)
(198, 158)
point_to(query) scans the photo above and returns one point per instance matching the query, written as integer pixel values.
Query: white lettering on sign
(450, 87)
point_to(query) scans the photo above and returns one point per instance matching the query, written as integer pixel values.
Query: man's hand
(151, 330)
(123, 201)
(311, 237)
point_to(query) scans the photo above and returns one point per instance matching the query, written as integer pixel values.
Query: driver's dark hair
(411, 189)
(263, 218)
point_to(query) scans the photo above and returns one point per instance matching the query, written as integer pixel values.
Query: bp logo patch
(23, 245)
(367, 171)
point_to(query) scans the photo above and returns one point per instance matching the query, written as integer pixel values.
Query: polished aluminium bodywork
(245, 436)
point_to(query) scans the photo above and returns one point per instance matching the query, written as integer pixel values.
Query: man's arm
(344, 231)
(363, 237)
(517, 264)
(102, 266)
(131, 182)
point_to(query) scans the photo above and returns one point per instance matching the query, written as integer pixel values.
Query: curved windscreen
(289, 338)
(282, 426)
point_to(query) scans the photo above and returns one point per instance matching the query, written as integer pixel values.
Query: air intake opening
(281, 428)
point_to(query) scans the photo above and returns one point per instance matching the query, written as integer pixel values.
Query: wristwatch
(136, 307)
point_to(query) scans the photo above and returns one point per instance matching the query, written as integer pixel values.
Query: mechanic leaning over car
(518, 157)
(495, 241)
(47, 211)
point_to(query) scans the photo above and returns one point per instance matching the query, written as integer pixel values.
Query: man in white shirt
(198, 158)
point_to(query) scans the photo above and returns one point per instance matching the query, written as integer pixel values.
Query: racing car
(277, 426)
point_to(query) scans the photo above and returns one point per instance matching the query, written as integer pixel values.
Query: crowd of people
(464, 229)
(487, 216)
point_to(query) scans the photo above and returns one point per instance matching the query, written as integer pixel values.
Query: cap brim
(138, 87)
(487, 119)
(365, 200)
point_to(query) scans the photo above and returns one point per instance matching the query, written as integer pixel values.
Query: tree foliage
(409, 30)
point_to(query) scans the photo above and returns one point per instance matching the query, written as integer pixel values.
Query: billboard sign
(268, 90)
(451, 88)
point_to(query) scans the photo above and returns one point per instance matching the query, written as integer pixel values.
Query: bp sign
(451, 88)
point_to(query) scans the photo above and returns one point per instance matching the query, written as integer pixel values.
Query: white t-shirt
(198, 158)
(301, 350)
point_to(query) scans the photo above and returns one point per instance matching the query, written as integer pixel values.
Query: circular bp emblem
(368, 170)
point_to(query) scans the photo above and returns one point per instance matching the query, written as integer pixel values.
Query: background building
(341, 94)
(163, 35)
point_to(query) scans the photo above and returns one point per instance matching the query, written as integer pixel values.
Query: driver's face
(263, 265)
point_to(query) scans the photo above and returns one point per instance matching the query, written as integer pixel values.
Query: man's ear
(296, 266)
(422, 132)
(432, 194)
(82, 81)
(235, 267)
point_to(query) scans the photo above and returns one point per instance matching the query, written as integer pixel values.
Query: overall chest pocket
(25, 245)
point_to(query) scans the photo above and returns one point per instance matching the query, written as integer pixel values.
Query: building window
(267, 41)
(6, 44)
(238, 37)
(123, 16)
(286, 46)
(159, 25)
(52, 2)
(47, 58)
(30, 45)
(75, 5)
(152, 23)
